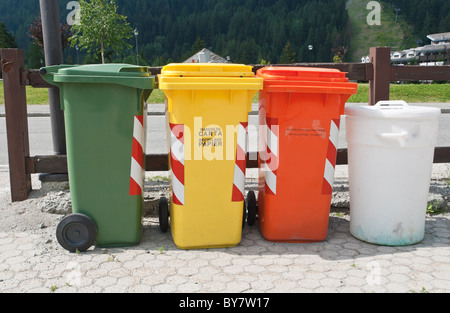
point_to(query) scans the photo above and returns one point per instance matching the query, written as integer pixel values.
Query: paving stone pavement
(30, 262)
(339, 264)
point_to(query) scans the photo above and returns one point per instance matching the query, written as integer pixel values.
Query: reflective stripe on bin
(271, 161)
(177, 162)
(330, 162)
(241, 164)
(137, 157)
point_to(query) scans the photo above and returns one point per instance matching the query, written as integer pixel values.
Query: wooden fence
(379, 72)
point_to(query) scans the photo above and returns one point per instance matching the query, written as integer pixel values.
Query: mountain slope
(363, 36)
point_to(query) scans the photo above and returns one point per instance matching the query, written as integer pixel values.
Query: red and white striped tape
(137, 157)
(330, 163)
(177, 163)
(241, 164)
(271, 158)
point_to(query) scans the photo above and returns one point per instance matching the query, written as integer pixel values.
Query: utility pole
(51, 31)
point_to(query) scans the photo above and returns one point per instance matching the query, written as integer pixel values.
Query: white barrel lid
(393, 109)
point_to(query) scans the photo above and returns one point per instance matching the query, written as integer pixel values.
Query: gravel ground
(48, 203)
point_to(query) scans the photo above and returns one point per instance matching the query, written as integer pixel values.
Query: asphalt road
(41, 137)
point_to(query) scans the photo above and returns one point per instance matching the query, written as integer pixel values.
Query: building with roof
(438, 39)
(207, 56)
(436, 53)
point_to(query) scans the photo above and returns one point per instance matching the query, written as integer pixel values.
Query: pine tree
(6, 39)
(288, 55)
(198, 45)
(35, 56)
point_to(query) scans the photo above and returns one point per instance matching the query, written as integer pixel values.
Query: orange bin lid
(306, 79)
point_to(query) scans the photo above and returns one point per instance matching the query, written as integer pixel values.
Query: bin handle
(401, 135)
(388, 103)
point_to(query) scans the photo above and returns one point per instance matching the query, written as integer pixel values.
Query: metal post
(136, 34)
(51, 30)
(310, 48)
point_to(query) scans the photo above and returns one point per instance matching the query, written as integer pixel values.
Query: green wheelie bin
(105, 116)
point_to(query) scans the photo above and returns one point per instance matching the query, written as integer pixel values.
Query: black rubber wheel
(76, 232)
(244, 215)
(252, 208)
(163, 214)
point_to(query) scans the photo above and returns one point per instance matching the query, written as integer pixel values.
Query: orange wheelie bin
(300, 110)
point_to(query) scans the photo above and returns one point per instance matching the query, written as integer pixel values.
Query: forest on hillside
(426, 17)
(247, 31)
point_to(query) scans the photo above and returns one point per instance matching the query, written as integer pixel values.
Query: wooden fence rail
(379, 73)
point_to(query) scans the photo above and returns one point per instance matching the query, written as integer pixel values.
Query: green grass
(157, 96)
(37, 95)
(40, 95)
(34, 95)
(412, 93)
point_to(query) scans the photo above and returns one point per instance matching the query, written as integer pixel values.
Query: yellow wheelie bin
(207, 123)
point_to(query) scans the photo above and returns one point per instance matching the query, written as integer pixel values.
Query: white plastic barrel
(390, 157)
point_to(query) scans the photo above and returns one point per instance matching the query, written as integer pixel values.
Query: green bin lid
(106, 70)
(120, 74)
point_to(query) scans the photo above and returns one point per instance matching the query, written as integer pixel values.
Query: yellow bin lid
(208, 76)
(207, 70)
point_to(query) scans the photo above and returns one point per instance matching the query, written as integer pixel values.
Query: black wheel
(252, 208)
(76, 232)
(244, 215)
(163, 214)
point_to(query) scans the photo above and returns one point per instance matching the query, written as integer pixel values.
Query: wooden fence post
(380, 85)
(16, 122)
